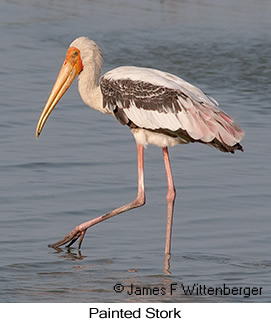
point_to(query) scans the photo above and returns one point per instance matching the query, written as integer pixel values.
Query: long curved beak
(70, 68)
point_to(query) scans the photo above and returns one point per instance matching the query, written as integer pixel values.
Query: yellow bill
(71, 67)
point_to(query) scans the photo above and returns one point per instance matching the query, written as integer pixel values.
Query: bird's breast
(160, 139)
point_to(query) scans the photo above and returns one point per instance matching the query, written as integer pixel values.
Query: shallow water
(84, 163)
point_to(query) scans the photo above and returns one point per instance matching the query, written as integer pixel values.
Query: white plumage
(158, 107)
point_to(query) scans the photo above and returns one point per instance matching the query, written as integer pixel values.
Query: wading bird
(158, 107)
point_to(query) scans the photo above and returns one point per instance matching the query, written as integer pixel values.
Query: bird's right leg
(80, 230)
(171, 194)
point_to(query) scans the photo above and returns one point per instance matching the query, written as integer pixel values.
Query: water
(84, 163)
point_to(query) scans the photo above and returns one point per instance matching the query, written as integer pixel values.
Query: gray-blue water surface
(84, 163)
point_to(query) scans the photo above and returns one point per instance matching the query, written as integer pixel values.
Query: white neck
(88, 82)
(89, 89)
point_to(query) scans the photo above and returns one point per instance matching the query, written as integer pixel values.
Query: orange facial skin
(74, 58)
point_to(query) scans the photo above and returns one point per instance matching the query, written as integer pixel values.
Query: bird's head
(80, 53)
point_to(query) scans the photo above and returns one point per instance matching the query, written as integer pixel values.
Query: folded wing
(156, 100)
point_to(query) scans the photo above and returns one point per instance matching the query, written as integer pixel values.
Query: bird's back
(158, 78)
(162, 102)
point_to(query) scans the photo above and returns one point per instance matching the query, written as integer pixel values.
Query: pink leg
(80, 230)
(170, 200)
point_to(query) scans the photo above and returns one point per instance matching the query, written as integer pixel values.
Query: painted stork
(158, 107)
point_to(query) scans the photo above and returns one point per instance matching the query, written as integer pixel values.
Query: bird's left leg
(80, 230)
(170, 206)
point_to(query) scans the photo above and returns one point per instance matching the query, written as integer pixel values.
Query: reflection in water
(69, 253)
(167, 263)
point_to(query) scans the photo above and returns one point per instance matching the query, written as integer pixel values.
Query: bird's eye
(75, 54)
